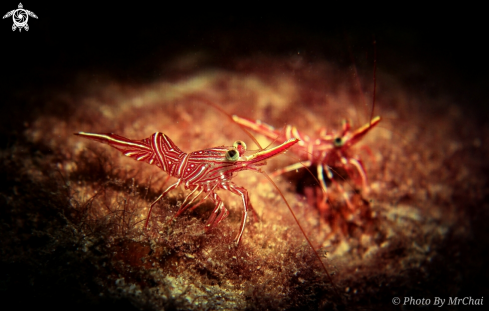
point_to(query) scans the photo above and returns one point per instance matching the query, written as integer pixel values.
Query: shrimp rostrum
(202, 172)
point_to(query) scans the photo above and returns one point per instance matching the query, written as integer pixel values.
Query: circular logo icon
(20, 18)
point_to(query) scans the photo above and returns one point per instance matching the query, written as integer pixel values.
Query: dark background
(448, 44)
(432, 51)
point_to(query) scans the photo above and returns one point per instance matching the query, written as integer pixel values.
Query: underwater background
(72, 211)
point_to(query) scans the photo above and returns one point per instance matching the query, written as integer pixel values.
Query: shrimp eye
(338, 142)
(240, 146)
(232, 155)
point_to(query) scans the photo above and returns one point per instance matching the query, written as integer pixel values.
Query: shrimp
(202, 171)
(331, 154)
(328, 150)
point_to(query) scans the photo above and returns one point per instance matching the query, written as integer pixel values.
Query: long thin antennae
(375, 81)
(357, 78)
(304, 233)
(283, 198)
(358, 84)
(208, 102)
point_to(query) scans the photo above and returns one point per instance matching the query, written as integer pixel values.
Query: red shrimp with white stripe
(202, 171)
(328, 150)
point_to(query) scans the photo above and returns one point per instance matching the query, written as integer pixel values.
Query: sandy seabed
(74, 209)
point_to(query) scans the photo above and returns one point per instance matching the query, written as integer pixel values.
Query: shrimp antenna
(304, 234)
(375, 81)
(357, 78)
(316, 254)
(210, 103)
